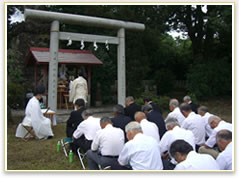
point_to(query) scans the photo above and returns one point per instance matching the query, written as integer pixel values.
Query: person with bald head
(216, 124)
(149, 128)
(224, 142)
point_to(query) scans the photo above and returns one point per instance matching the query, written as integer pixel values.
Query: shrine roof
(65, 56)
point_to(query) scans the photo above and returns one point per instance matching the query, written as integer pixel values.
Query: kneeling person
(188, 159)
(141, 152)
(106, 145)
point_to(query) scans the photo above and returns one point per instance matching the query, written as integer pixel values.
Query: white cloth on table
(150, 129)
(224, 159)
(141, 153)
(196, 124)
(79, 89)
(196, 161)
(176, 113)
(88, 128)
(53, 116)
(108, 141)
(211, 141)
(41, 125)
(176, 133)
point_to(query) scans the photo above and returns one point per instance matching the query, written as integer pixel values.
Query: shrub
(210, 78)
(162, 101)
(15, 95)
(164, 79)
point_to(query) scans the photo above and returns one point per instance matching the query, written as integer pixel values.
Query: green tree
(205, 29)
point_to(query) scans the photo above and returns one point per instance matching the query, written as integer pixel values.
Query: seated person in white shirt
(149, 128)
(216, 124)
(203, 112)
(174, 133)
(175, 111)
(141, 152)
(224, 142)
(106, 146)
(86, 131)
(188, 159)
(195, 123)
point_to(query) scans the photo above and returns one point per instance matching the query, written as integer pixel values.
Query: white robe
(34, 117)
(78, 90)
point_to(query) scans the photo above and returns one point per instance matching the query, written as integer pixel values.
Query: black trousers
(167, 165)
(117, 166)
(96, 161)
(83, 143)
(197, 147)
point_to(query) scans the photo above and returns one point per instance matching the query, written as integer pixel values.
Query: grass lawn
(42, 155)
(38, 155)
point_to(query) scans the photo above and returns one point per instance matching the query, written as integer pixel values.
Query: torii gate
(56, 35)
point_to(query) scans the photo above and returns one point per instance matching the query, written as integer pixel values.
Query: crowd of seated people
(139, 138)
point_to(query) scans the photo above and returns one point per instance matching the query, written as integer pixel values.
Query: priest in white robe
(34, 119)
(79, 89)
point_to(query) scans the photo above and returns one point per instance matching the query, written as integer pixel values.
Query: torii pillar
(56, 35)
(53, 66)
(121, 67)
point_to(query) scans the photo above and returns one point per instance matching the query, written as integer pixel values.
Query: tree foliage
(205, 29)
(150, 55)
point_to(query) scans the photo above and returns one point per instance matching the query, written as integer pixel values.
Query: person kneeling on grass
(106, 146)
(188, 159)
(141, 152)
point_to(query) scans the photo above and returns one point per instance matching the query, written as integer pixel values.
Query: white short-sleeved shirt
(211, 141)
(142, 153)
(196, 124)
(109, 141)
(150, 129)
(208, 128)
(88, 128)
(196, 161)
(176, 113)
(224, 159)
(176, 133)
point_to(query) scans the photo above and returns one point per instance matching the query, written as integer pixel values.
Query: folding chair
(64, 142)
(29, 133)
(81, 157)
